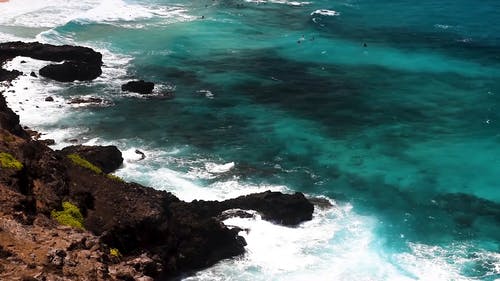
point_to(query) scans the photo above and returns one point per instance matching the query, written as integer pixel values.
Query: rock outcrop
(142, 87)
(10, 120)
(79, 63)
(70, 71)
(108, 158)
(125, 231)
(49, 52)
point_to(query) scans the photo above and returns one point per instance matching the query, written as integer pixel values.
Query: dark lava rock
(6, 75)
(285, 209)
(49, 99)
(10, 120)
(85, 100)
(79, 63)
(108, 158)
(70, 71)
(49, 52)
(139, 86)
(143, 156)
(33, 74)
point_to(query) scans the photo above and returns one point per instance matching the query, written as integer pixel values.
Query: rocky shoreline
(64, 217)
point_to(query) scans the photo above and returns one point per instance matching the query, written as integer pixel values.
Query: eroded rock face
(140, 86)
(108, 158)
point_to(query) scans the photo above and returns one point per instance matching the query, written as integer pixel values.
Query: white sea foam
(48, 13)
(207, 93)
(443, 26)
(28, 98)
(325, 12)
(218, 168)
(53, 13)
(336, 245)
(283, 2)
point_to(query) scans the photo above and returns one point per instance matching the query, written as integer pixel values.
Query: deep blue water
(390, 108)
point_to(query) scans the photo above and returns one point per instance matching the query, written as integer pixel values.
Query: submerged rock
(140, 86)
(90, 101)
(108, 158)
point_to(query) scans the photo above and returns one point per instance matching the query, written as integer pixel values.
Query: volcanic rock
(70, 71)
(81, 100)
(108, 158)
(139, 86)
(79, 63)
(49, 52)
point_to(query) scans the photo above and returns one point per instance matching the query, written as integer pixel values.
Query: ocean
(389, 109)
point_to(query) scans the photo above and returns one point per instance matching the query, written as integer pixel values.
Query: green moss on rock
(115, 178)
(80, 161)
(7, 161)
(70, 215)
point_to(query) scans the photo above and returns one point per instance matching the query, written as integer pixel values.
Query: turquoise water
(403, 133)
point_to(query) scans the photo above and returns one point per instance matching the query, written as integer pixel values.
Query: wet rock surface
(139, 86)
(78, 63)
(70, 71)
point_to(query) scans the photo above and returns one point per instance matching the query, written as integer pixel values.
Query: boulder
(108, 158)
(70, 71)
(140, 86)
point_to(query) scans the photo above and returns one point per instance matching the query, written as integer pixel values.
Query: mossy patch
(115, 178)
(82, 162)
(114, 252)
(70, 215)
(7, 161)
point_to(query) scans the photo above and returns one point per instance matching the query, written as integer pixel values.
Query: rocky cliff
(63, 217)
